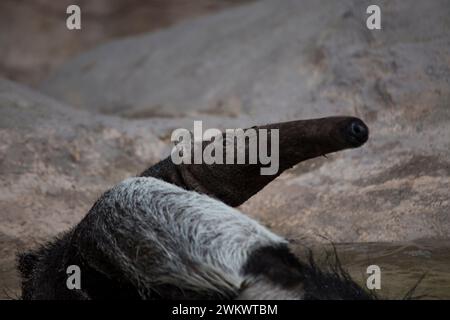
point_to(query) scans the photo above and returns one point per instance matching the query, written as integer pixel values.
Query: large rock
(266, 62)
(301, 58)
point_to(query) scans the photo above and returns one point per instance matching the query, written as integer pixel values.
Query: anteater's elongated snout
(305, 139)
(297, 141)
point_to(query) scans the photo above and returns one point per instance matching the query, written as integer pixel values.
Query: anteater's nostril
(358, 132)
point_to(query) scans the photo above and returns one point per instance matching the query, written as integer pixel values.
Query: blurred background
(35, 41)
(81, 110)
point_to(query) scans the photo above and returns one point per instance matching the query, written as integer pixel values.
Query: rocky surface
(254, 64)
(266, 62)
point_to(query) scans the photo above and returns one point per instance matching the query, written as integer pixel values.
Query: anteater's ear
(298, 141)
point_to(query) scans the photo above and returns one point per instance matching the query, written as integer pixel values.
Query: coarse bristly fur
(149, 239)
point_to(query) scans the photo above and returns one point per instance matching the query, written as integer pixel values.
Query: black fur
(280, 266)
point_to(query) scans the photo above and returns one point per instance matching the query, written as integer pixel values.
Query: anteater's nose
(357, 132)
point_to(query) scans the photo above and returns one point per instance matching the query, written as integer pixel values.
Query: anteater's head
(297, 141)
